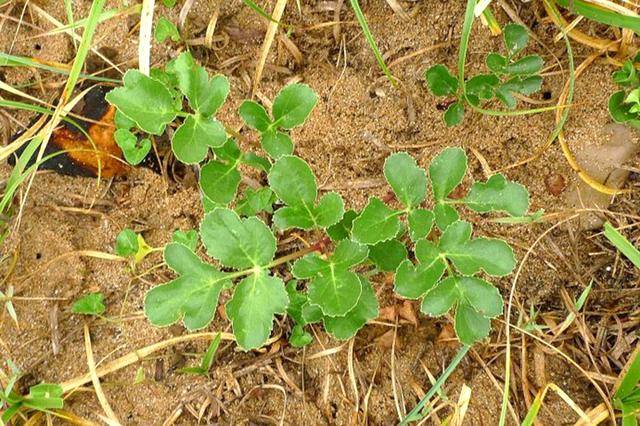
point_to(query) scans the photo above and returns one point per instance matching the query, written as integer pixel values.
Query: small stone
(555, 183)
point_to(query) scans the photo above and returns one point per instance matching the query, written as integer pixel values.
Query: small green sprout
(42, 397)
(132, 245)
(169, 3)
(207, 359)
(624, 105)
(166, 29)
(290, 109)
(91, 304)
(508, 74)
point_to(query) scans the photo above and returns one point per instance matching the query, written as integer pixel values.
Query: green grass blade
(104, 16)
(83, 49)
(68, 6)
(362, 20)
(209, 356)
(622, 244)
(604, 16)
(631, 378)
(260, 11)
(7, 60)
(414, 415)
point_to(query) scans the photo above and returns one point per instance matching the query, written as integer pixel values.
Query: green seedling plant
(207, 359)
(432, 251)
(133, 246)
(92, 304)
(148, 104)
(165, 29)
(624, 105)
(42, 397)
(508, 74)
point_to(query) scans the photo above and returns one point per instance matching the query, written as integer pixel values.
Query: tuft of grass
(622, 244)
(362, 20)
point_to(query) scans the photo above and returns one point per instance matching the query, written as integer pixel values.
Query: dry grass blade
(539, 400)
(104, 403)
(139, 355)
(460, 411)
(276, 16)
(144, 44)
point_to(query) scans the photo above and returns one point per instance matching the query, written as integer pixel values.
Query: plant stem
(443, 377)
(291, 256)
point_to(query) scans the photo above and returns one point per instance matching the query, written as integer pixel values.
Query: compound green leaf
(205, 95)
(293, 181)
(191, 141)
(329, 210)
(493, 256)
(528, 65)
(219, 181)
(503, 94)
(309, 266)
(408, 181)
(446, 171)
(498, 194)
(348, 253)
(127, 243)
(441, 298)
(276, 144)
(300, 338)
(256, 161)
(229, 151)
(523, 85)
(496, 63)
(515, 38)
(293, 104)
(235, 242)
(254, 115)
(482, 295)
(296, 301)
(454, 114)
(122, 121)
(627, 76)
(91, 304)
(192, 296)
(342, 229)
(440, 81)
(294, 217)
(333, 287)
(482, 85)
(335, 291)
(134, 151)
(255, 301)
(470, 325)
(165, 29)
(412, 281)
(145, 101)
(444, 215)
(388, 255)
(420, 223)
(366, 309)
(188, 238)
(255, 201)
(376, 223)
